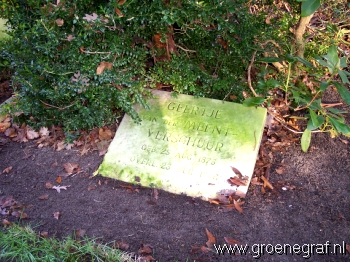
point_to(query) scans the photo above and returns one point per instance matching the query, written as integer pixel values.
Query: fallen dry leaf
(155, 193)
(90, 18)
(254, 181)
(91, 188)
(105, 134)
(5, 222)
(237, 172)
(59, 22)
(44, 197)
(231, 241)
(71, 168)
(70, 38)
(48, 185)
(80, 233)
(59, 180)
(348, 248)
(44, 131)
(58, 188)
(60, 145)
(238, 181)
(122, 245)
(54, 164)
(44, 234)
(56, 215)
(10, 132)
(211, 239)
(7, 169)
(266, 182)
(19, 214)
(102, 66)
(102, 147)
(238, 206)
(145, 249)
(4, 126)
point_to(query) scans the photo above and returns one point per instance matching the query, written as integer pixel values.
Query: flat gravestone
(187, 145)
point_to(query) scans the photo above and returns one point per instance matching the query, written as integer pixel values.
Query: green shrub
(57, 50)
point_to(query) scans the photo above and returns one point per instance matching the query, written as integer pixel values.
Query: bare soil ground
(309, 204)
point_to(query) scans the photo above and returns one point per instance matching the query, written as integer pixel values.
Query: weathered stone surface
(186, 145)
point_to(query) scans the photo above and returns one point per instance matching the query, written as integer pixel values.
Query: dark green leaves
(343, 92)
(308, 7)
(339, 126)
(253, 101)
(305, 140)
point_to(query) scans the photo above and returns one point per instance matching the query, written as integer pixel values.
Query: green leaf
(343, 63)
(305, 140)
(323, 86)
(343, 92)
(253, 101)
(339, 126)
(336, 111)
(316, 120)
(332, 56)
(305, 62)
(343, 77)
(270, 59)
(308, 7)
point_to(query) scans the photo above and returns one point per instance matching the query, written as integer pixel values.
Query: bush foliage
(80, 62)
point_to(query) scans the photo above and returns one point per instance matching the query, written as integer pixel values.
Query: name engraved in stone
(194, 110)
(186, 140)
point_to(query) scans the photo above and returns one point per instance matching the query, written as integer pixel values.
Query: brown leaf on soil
(9, 132)
(44, 197)
(5, 222)
(44, 131)
(102, 66)
(105, 134)
(102, 147)
(59, 180)
(122, 245)
(7, 169)
(348, 248)
(231, 241)
(254, 181)
(59, 22)
(155, 193)
(204, 249)
(211, 239)
(71, 168)
(238, 206)
(266, 182)
(4, 126)
(20, 215)
(60, 145)
(237, 172)
(55, 164)
(145, 249)
(31, 134)
(80, 233)
(213, 201)
(44, 234)
(56, 215)
(48, 185)
(21, 136)
(91, 188)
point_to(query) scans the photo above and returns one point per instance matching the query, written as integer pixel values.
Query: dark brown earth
(313, 209)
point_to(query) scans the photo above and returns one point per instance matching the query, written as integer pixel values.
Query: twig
(94, 53)
(249, 72)
(186, 50)
(331, 105)
(59, 108)
(284, 124)
(304, 107)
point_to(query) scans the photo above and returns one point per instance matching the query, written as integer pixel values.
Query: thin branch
(94, 53)
(249, 73)
(186, 50)
(59, 108)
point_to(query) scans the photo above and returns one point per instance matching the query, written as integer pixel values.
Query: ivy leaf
(308, 7)
(305, 140)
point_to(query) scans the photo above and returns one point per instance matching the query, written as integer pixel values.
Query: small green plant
(23, 244)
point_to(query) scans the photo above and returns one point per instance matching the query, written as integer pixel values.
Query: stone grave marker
(187, 145)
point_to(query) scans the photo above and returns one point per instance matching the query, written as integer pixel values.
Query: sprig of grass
(23, 244)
